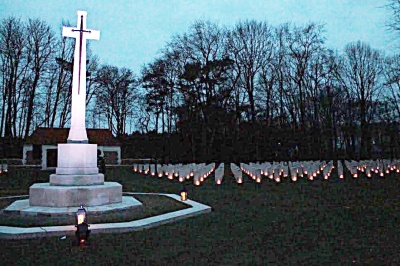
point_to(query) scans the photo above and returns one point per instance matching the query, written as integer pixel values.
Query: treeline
(249, 91)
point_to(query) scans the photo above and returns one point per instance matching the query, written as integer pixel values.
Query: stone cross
(77, 132)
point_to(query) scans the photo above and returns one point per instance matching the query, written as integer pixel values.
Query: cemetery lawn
(307, 222)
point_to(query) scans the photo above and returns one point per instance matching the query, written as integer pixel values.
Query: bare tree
(392, 83)
(40, 45)
(250, 46)
(14, 65)
(115, 96)
(361, 76)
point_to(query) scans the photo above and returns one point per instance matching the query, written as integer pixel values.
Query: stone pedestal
(77, 159)
(77, 181)
(43, 194)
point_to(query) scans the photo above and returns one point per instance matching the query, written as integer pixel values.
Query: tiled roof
(52, 136)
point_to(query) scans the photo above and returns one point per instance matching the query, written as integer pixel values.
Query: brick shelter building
(41, 146)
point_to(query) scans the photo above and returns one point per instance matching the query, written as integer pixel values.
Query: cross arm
(67, 32)
(93, 35)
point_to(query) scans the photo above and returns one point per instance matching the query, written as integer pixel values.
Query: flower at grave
(82, 227)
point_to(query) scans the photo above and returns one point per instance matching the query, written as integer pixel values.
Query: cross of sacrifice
(77, 132)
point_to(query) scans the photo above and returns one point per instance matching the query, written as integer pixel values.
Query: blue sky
(133, 31)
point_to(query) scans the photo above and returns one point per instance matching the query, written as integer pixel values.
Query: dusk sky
(133, 32)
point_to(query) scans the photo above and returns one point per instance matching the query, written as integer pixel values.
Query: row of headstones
(198, 172)
(277, 170)
(3, 169)
(373, 167)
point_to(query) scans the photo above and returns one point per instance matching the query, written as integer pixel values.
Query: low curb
(10, 232)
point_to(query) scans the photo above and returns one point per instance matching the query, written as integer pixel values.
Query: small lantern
(82, 227)
(197, 182)
(181, 179)
(183, 194)
(219, 182)
(239, 181)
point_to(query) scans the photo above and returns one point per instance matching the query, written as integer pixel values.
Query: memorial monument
(77, 180)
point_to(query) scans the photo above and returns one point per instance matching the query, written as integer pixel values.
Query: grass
(308, 222)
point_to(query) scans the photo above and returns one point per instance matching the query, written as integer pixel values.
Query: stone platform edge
(11, 232)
